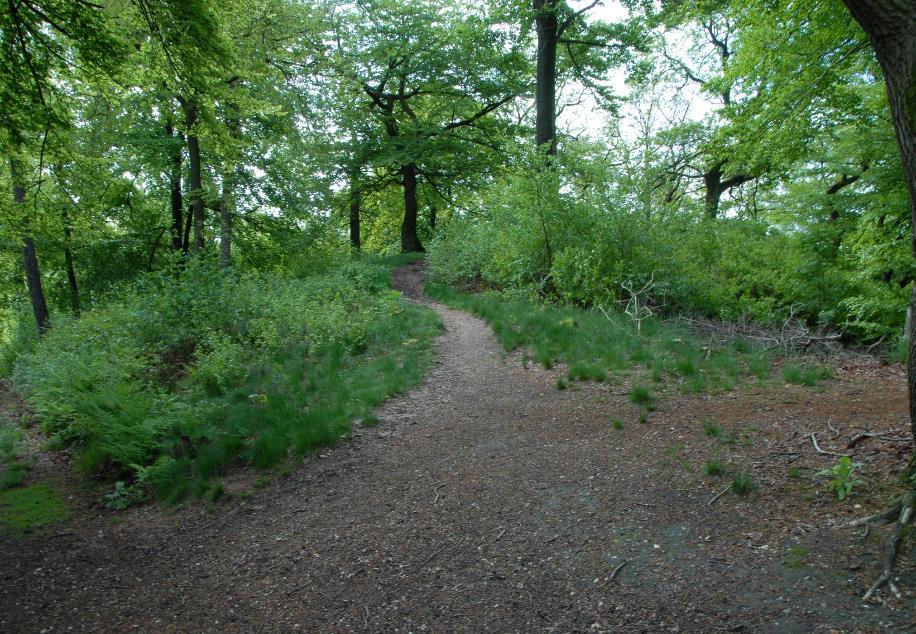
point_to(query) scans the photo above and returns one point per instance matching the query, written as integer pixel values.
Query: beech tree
(434, 79)
(590, 49)
(891, 28)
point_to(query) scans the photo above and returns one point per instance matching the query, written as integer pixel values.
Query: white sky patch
(580, 115)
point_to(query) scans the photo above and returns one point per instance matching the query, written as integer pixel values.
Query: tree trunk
(68, 261)
(716, 186)
(30, 257)
(355, 209)
(891, 27)
(713, 181)
(227, 197)
(175, 160)
(226, 209)
(196, 192)
(433, 217)
(410, 242)
(548, 33)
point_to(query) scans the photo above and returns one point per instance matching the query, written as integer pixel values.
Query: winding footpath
(485, 500)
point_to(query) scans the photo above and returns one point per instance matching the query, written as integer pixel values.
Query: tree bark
(227, 197)
(548, 34)
(30, 256)
(891, 27)
(68, 261)
(716, 186)
(196, 193)
(175, 160)
(226, 210)
(410, 242)
(355, 210)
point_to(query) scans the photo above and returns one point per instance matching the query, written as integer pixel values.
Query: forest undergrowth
(606, 345)
(177, 379)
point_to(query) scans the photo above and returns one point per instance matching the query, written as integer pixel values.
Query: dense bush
(181, 375)
(535, 234)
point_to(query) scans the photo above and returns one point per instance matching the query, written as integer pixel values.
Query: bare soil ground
(487, 500)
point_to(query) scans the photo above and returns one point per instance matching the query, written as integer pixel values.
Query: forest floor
(487, 500)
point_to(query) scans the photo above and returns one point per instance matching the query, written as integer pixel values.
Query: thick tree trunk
(548, 32)
(355, 210)
(68, 261)
(713, 182)
(891, 27)
(175, 160)
(410, 242)
(196, 192)
(716, 186)
(30, 257)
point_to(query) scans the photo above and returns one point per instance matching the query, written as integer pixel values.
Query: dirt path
(486, 500)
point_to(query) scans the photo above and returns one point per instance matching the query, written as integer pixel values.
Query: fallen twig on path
(618, 569)
(436, 490)
(819, 450)
(880, 435)
(718, 495)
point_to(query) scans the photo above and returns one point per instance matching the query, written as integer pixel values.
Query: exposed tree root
(902, 514)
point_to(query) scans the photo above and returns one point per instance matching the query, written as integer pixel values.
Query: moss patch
(26, 509)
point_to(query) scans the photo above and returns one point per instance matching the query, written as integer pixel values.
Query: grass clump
(743, 483)
(180, 378)
(617, 423)
(26, 509)
(714, 467)
(641, 395)
(806, 375)
(711, 429)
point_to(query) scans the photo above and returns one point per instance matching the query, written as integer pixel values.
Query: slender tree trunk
(891, 27)
(68, 261)
(186, 238)
(196, 193)
(30, 257)
(355, 210)
(227, 198)
(410, 242)
(548, 32)
(226, 210)
(175, 160)
(433, 217)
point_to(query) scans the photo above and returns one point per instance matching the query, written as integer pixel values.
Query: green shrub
(178, 378)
